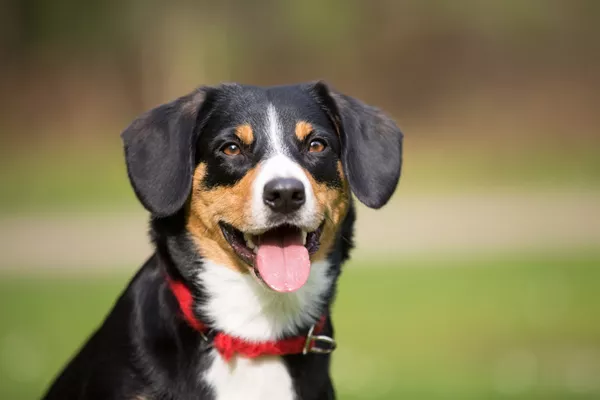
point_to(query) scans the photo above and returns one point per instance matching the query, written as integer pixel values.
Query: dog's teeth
(303, 233)
(249, 241)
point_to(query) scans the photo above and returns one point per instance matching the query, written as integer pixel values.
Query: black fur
(371, 143)
(144, 349)
(159, 152)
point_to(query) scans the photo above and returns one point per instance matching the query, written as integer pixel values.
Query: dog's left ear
(371, 145)
(160, 150)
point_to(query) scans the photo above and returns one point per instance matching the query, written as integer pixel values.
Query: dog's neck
(237, 303)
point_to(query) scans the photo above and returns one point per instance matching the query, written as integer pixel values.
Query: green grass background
(470, 326)
(513, 326)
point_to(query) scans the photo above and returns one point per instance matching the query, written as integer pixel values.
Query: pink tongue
(282, 260)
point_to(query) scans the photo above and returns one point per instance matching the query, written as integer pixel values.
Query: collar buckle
(310, 346)
(207, 336)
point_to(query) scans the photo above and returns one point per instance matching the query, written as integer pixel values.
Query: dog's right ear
(160, 151)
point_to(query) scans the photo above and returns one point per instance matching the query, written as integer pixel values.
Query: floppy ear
(160, 151)
(371, 145)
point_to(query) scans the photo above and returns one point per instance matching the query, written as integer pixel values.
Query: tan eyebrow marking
(303, 129)
(244, 132)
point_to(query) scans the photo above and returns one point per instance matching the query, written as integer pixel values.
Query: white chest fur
(240, 306)
(261, 378)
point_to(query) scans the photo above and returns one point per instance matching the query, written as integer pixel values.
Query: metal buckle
(208, 336)
(314, 339)
(203, 336)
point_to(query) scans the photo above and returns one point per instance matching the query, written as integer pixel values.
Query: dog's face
(268, 188)
(264, 176)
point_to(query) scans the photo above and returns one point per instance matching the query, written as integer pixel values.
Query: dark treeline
(103, 60)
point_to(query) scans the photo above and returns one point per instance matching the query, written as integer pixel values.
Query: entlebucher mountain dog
(251, 215)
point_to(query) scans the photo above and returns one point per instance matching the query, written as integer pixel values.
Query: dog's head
(263, 175)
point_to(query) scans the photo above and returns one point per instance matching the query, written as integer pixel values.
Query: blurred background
(481, 279)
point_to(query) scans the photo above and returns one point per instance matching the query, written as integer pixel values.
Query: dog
(249, 191)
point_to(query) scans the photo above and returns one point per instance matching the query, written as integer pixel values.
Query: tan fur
(340, 169)
(303, 129)
(231, 204)
(333, 204)
(207, 207)
(245, 133)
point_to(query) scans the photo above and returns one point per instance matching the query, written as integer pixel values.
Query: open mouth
(280, 257)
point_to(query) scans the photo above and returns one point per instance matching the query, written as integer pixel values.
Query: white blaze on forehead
(274, 130)
(279, 165)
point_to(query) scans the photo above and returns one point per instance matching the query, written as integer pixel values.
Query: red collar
(228, 346)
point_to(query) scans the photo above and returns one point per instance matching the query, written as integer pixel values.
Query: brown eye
(231, 149)
(316, 146)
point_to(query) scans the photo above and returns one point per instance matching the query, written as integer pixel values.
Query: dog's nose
(284, 195)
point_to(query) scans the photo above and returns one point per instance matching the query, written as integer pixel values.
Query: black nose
(284, 195)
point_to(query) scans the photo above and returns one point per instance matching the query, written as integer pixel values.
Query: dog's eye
(231, 149)
(316, 146)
